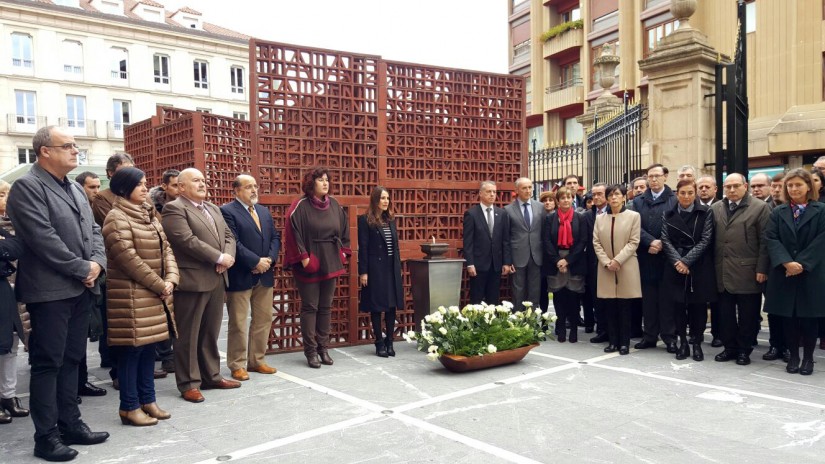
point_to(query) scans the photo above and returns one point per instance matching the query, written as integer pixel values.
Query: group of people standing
(663, 258)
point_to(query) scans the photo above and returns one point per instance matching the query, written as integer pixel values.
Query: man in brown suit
(204, 248)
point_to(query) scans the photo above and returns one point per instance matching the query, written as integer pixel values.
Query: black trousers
(588, 300)
(805, 328)
(715, 321)
(56, 346)
(618, 315)
(693, 314)
(566, 304)
(658, 314)
(739, 315)
(636, 317)
(776, 325)
(486, 287)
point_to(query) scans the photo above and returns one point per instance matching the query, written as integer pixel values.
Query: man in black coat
(651, 205)
(599, 207)
(486, 246)
(706, 189)
(251, 280)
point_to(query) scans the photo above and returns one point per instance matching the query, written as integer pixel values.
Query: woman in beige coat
(141, 275)
(615, 239)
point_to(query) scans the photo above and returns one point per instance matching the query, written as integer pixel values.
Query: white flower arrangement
(481, 329)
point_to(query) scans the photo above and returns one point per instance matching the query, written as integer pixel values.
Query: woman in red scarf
(316, 247)
(564, 237)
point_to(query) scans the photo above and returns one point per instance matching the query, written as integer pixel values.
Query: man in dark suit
(250, 280)
(599, 207)
(526, 217)
(706, 189)
(486, 246)
(57, 279)
(204, 249)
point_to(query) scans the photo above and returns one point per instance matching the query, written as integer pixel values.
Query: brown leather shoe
(153, 410)
(240, 374)
(136, 417)
(193, 395)
(325, 359)
(160, 374)
(263, 369)
(223, 384)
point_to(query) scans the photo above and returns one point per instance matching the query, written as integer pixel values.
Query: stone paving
(563, 403)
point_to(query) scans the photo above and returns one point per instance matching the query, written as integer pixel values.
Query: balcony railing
(572, 38)
(22, 124)
(120, 75)
(521, 52)
(114, 130)
(79, 127)
(565, 94)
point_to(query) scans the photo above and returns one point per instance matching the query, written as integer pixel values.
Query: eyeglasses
(65, 146)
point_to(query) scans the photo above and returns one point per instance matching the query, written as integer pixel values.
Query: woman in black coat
(379, 268)
(795, 237)
(564, 238)
(689, 276)
(11, 248)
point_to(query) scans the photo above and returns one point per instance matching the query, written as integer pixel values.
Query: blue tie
(526, 216)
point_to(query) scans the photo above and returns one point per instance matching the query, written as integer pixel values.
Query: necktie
(526, 216)
(209, 218)
(255, 217)
(732, 206)
(490, 220)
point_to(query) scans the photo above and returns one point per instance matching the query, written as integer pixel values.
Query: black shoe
(611, 349)
(381, 350)
(793, 366)
(574, 336)
(52, 449)
(771, 355)
(313, 361)
(87, 389)
(743, 359)
(561, 338)
(644, 344)
(725, 356)
(786, 355)
(698, 355)
(600, 338)
(325, 359)
(82, 435)
(13, 406)
(807, 367)
(671, 347)
(716, 343)
(624, 350)
(388, 345)
(5, 418)
(588, 329)
(683, 352)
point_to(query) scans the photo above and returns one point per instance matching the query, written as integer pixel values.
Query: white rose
(442, 330)
(432, 356)
(491, 349)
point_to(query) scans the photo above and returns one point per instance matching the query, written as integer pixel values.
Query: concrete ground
(563, 403)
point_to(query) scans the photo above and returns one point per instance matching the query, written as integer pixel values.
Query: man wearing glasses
(57, 278)
(742, 264)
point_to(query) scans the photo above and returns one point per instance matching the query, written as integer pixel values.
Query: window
(121, 114)
(119, 60)
(72, 53)
(26, 155)
(201, 76)
(236, 77)
(25, 103)
(21, 50)
(570, 75)
(528, 93)
(573, 131)
(161, 69)
(76, 111)
(571, 15)
(238, 115)
(203, 110)
(110, 6)
(654, 34)
(750, 17)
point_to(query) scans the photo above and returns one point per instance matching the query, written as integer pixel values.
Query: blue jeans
(135, 371)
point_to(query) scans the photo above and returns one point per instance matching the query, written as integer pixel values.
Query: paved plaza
(563, 403)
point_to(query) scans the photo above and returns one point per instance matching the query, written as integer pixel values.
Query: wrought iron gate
(614, 147)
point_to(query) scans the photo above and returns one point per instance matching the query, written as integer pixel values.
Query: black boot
(381, 349)
(12, 405)
(684, 350)
(698, 355)
(4, 417)
(388, 344)
(52, 449)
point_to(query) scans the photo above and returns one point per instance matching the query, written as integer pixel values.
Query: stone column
(681, 73)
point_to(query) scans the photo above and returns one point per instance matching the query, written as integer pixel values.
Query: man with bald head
(204, 248)
(742, 265)
(250, 280)
(761, 188)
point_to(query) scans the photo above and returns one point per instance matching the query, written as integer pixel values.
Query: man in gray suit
(56, 278)
(525, 217)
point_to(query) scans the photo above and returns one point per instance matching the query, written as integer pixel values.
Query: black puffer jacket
(689, 240)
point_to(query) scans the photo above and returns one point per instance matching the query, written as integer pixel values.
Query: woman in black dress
(379, 268)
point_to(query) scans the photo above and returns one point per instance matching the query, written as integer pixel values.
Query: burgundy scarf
(565, 228)
(317, 203)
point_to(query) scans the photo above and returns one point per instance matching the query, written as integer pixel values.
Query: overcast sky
(469, 34)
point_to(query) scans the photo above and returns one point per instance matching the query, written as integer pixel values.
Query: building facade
(95, 66)
(785, 54)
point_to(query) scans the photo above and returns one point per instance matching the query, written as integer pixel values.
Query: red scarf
(565, 228)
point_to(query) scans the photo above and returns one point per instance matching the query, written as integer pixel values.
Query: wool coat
(651, 212)
(384, 289)
(689, 240)
(617, 237)
(799, 295)
(740, 251)
(577, 257)
(322, 235)
(140, 263)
